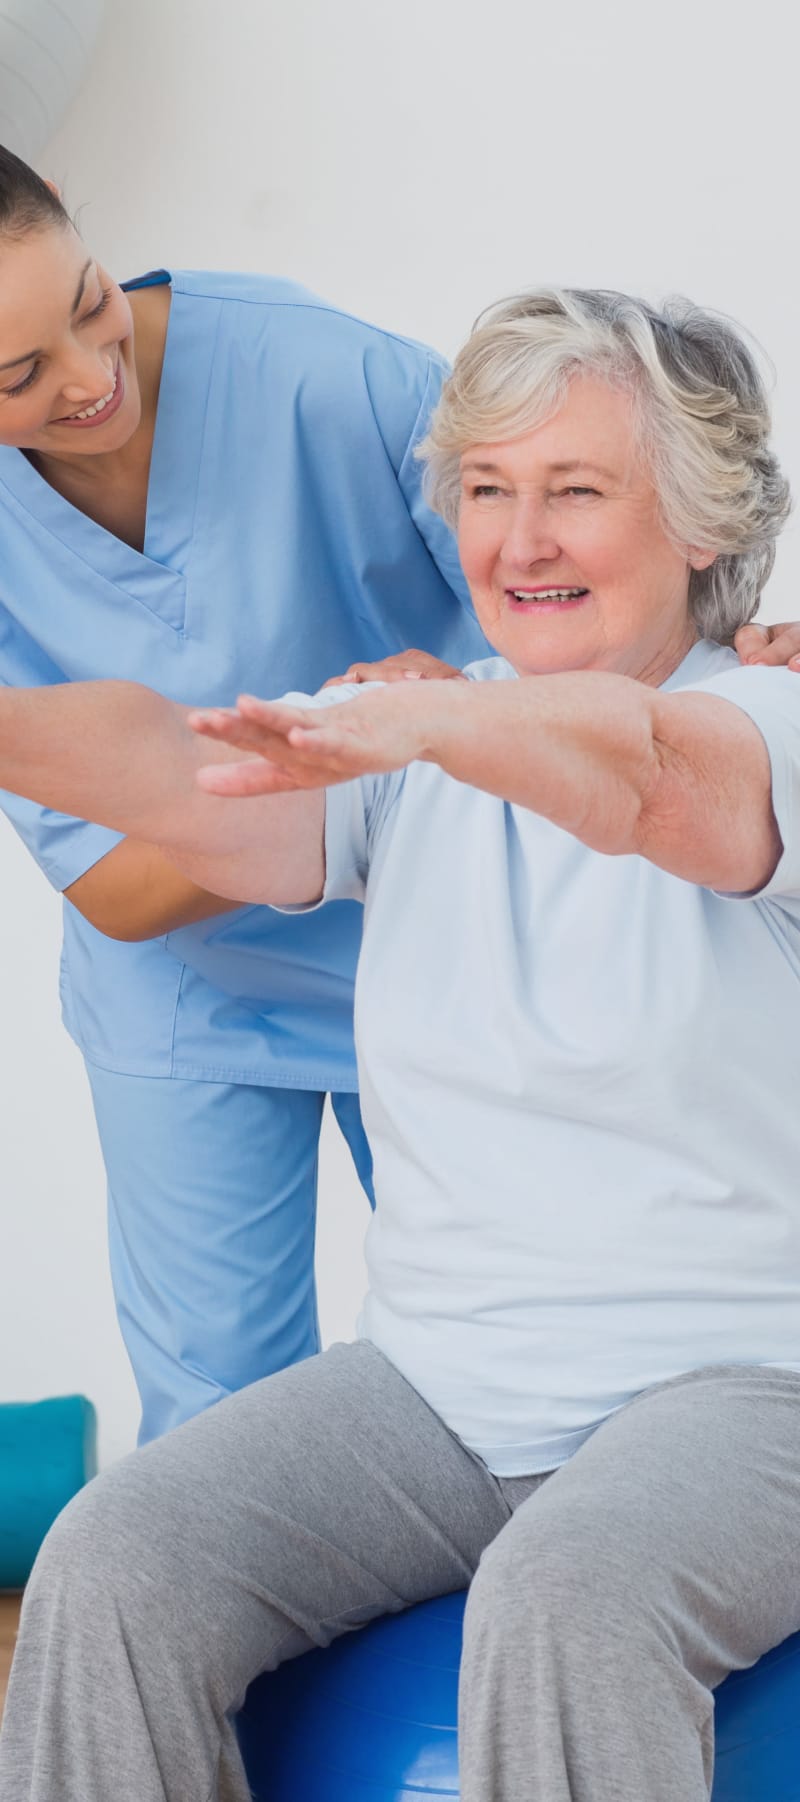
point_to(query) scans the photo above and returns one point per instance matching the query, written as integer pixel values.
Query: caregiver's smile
(101, 410)
(563, 545)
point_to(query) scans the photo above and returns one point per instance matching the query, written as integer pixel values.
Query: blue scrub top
(286, 536)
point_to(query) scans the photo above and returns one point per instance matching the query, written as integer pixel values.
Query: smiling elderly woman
(578, 1371)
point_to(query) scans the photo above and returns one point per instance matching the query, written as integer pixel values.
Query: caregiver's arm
(121, 756)
(137, 892)
(682, 779)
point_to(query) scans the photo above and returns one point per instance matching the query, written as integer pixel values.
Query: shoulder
(762, 692)
(295, 307)
(770, 697)
(329, 357)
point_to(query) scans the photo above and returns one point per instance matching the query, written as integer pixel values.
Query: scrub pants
(212, 1211)
(610, 1598)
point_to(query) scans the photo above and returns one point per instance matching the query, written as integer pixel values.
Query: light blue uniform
(286, 537)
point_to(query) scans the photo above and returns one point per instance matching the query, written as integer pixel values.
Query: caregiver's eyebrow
(31, 355)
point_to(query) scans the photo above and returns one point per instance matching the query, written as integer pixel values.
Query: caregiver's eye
(19, 387)
(101, 306)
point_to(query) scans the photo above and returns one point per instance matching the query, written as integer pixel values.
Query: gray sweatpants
(613, 1597)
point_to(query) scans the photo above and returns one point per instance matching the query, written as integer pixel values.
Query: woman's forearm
(682, 779)
(577, 749)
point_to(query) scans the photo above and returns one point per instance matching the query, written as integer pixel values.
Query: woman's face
(563, 548)
(66, 347)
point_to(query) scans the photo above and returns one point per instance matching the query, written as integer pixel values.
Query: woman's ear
(53, 189)
(701, 559)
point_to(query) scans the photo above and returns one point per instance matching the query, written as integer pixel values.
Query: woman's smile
(546, 598)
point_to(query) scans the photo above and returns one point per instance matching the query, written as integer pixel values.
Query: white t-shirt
(580, 1077)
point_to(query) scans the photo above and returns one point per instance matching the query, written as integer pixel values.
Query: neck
(663, 663)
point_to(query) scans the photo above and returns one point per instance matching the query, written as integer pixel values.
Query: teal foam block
(48, 1450)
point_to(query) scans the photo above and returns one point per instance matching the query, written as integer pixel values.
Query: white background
(412, 162)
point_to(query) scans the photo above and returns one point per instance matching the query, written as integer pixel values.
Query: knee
(99, 1546)
(556, 1576)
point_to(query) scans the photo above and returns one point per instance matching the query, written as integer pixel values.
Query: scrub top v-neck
(155, 577)
(286, 535)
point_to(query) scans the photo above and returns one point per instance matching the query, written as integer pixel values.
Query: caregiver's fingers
(403, 666)
(775, 645)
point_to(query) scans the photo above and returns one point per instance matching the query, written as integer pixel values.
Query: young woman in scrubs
(207, 483)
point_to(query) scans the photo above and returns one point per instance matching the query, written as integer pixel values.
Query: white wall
(412, 162)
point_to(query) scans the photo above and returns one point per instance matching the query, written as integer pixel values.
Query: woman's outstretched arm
(120, 755)
(680, 778)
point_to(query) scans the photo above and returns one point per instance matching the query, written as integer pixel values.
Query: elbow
(127, 927)
(133, 933)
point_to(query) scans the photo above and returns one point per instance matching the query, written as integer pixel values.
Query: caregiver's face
(67, 375)
(563, 548)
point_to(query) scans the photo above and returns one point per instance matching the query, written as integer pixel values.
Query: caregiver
(206, 482)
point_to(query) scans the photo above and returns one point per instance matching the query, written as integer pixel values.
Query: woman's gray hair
(701, 414)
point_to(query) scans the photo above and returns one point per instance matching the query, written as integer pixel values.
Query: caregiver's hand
(770, 644)
(304, 747)
(404, 666)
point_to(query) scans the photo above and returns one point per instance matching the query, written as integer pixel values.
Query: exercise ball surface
(373, 1719)
(47, 1453)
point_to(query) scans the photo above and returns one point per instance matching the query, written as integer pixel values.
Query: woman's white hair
(701, 414)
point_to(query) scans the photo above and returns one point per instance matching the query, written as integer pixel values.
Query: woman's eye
(484, 491)
(579, 491)
(19, 387)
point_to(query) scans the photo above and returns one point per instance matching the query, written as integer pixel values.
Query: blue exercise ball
(373, 1719)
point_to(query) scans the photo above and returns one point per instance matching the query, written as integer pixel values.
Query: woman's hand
(405, 666)
(305, 747)
(776, 645)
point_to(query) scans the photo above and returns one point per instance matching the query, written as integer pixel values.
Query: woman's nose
(530, 537)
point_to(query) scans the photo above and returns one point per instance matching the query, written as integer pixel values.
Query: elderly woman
(577, 1379)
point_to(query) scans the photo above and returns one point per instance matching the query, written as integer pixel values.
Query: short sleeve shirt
(580, 1079)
